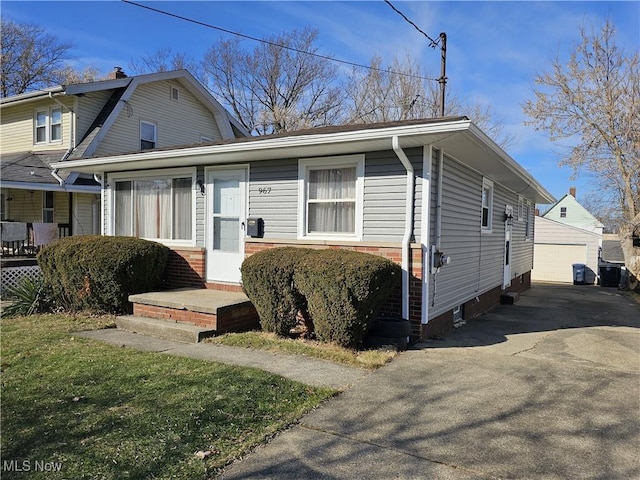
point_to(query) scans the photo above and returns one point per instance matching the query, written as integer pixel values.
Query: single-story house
(438, 196)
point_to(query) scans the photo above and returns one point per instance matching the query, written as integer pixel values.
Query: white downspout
(408, 226)
(425, 234)
(439, 199)
(54, 172)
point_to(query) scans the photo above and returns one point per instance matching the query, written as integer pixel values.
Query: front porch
(189, 314)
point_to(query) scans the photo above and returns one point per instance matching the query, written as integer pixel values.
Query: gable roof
(229, 125)
(569, 201)
(459, 137)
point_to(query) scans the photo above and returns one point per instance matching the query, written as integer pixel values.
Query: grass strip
(76, 408)
(365, 359)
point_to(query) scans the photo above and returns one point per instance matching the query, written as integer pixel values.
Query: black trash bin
(609, 276)
(579, 272)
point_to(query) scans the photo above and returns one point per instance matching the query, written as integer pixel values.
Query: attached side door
(508, 228)
(225, 223)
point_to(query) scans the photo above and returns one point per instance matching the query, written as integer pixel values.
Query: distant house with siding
(420, 192)
(71, 122)
(567, 234)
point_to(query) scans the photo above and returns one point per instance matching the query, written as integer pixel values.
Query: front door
(508, 227)
(225, 224)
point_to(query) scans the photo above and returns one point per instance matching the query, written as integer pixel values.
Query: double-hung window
(158, 207)
(47, 207)
(48, 126)
(487, 205)
(147, 135)
(331, 197)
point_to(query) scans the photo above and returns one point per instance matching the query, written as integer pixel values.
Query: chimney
(537, 212)
(117, 73)
(572, 192)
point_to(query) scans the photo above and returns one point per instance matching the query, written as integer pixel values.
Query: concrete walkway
(548, 388)
(317, 373)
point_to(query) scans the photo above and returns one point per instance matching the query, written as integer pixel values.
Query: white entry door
(225, 224)
(508, 227)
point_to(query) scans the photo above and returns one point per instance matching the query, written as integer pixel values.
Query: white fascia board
(511, 164)
(50, 187)
(29, 97)
(263, 149)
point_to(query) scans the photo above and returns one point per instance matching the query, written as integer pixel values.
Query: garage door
(553, 262)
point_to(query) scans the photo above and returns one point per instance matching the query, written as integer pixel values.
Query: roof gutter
(408, 225)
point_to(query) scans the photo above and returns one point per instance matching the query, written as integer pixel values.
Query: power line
(255, 39)
(433, 43)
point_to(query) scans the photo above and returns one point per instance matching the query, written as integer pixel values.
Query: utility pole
(443, 70)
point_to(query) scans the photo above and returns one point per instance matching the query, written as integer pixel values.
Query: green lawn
(94, 410)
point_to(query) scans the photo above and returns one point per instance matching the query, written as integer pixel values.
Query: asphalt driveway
(548, 388)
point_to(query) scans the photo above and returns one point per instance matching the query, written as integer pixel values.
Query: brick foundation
(185, 268)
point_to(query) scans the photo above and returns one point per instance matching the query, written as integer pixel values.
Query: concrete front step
(210, 310)
(163, 329)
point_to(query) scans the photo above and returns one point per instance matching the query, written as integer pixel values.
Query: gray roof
(31, 167)
(612, 251)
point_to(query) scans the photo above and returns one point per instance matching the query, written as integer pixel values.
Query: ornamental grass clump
(96, 273)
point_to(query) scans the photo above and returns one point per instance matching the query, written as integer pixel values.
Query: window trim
(155, 134)
(172, 173)
(487, 185)
(47, 126)
(174, 93)
(563, 212)
(527, 220)
(318, 163)
(521, 207)
(46, 209)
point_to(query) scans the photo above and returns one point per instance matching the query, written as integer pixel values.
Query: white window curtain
(123, 210)
(154, 208)
(331, 200)
(182, 208)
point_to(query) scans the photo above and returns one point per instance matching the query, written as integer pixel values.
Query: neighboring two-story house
(566, 234)
(70, 122)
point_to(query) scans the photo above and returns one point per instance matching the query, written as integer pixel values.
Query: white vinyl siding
(178, 123)
(18, 132)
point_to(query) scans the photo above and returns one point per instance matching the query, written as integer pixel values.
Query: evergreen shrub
(96, 273)
(345, 290)
(267, 279)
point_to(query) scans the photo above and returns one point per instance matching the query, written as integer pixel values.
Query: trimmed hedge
(267, 279)
(341, 290)
(345, 291)
(96, 273)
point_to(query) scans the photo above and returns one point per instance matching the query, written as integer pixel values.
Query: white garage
(558, 246)
(553, 262)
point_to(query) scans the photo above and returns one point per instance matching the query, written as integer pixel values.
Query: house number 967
(264, 190)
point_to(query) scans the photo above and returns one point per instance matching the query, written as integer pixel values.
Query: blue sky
(494, 49)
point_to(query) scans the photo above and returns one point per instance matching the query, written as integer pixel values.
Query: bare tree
(593, 101)
(280, 86)
(403, 91)
(164, 60)
(31, 58)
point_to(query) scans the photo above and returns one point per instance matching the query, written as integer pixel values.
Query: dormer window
(147, 135)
